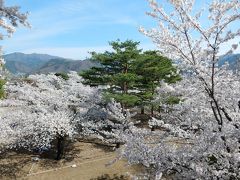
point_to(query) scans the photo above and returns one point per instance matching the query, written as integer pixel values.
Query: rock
(74, 166)
(36, 159)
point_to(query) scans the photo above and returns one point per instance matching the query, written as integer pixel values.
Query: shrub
(2, 92)
(62, 75)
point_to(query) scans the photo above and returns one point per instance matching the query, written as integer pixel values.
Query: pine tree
(116, 72)
(151, 68)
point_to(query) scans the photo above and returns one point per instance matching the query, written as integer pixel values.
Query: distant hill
(64, 65)
(17, 67)
(20, 63)
(233, 60)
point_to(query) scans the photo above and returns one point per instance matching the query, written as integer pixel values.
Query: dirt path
(90, 161)
(83, 171)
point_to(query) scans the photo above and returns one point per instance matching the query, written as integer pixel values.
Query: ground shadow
(16, 163)
(12, 164)
(141, 120)
(105, 147)
(48, 158)
(114, 177)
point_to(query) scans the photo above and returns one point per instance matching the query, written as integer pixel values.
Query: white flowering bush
(10, 18)
(200, 137)
(44, 109)
(106, 123)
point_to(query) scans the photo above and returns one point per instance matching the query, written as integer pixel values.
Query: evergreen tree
(151, 68)
(128, 75)
(116, 71)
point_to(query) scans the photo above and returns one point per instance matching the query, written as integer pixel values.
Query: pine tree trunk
(152, 110)
(123, 107)
(152, 107)
(142, 110)
(125, 88)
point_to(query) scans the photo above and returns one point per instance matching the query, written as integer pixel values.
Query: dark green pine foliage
(63, 75)
(130, 76)
(116, 72)
(151, 69)
(2, 92)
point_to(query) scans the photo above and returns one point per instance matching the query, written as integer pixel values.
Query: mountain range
(233, 60)
(22, 64)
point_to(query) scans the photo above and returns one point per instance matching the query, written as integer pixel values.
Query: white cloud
(227, 46)
(51, 24)
(61, 18)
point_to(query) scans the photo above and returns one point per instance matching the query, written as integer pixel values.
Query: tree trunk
(125, 88)
(152, 107)
(153, 128)
(125, 84)
(60, 147)
(152, 110)
(117, 145)
(122, 106)
(142, 110)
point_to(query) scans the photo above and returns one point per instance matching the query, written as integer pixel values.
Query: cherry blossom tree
(186, 142)
(199, 138)
(106, 122)
(181, 36)
(43, 111)
(44, 107)
(10, 18)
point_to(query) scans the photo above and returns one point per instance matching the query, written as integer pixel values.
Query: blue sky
(71, 28)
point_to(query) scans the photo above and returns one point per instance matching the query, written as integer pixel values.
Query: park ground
(85, 161)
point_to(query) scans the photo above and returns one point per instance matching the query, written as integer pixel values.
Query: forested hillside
(21, 64)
